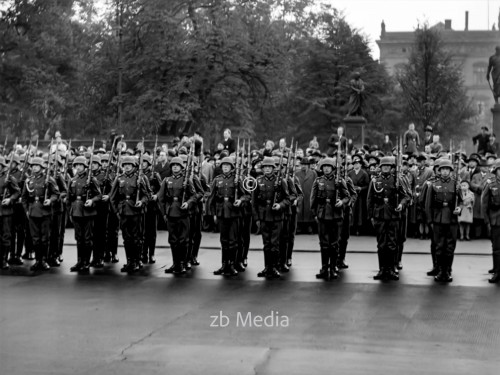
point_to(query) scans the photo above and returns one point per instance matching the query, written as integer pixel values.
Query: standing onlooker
(492, 145)
(411, 140)
(387, 145)
(428, 135)
(162, 166)
(229, 143)
(337, 140)
(436, 146)
(481, 140)
(306, 177)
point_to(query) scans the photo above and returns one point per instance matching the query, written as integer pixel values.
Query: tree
(432, 86)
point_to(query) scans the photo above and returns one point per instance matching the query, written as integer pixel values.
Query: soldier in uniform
(176, 197)
(270, 200)
(490, 204)
(129, 196)
(100, 219)
(37, 199)
(442, 210)
(226, 197)
(201, 188)
(18, 217)
(57, 213)
(328, 197)
(346, 221)
(83, 197)
(112, 223)
(386, 199)
(292, 230)
(10, 193)
(150, 220)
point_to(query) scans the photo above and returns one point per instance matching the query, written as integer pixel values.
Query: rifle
(345, 161)
(278, 180)
(5, 145)
(154, 158)
(140, 173)
(47, 173)
(294, 159)
(36, 147)
(26, 157)
(337, 175)
(66, 162)
(7, 176)
(459, 180)
(237, 169)
(89, 173)
(200, 160)
(398, 168)
(188, 173)
(288, 160)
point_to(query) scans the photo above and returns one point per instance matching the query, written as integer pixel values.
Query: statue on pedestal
(494, 69)
(357, 96)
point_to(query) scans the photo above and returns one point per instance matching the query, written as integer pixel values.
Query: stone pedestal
(496, 119)
(354, 128)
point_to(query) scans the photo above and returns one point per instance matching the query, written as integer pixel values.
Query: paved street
(153, 323)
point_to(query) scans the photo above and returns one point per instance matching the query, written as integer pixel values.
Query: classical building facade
(471, 49)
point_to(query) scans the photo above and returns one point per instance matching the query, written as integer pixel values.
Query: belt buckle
(37, 199)
(226, 199)
(176, 199)
(445, 204)
(386, 200)
(328, 200)
(268, 201)
(127, 197)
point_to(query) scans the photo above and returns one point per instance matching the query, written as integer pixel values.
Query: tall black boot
(495, 278)
(325, 258)
(380, 275)
(273, 272)
(333, 263)
(265, 271)
(435, 268)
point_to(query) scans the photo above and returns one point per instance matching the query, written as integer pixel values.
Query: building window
(479, 73)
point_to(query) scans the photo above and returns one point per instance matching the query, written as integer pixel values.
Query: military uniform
(346, 223)
(440, 204)
(124, 192)
(384, 198)
(285, 229)
(112, 222)
(35, 191)
(56, 221)
(9, 190)
(490, 205)
(292, 229)
(151, 215)
(18, 218)
(171, 196)
(268, 192)
(244, 230)
(101, 217)
(325, 194)
(223, 193)
(200, 187)
(83, 217)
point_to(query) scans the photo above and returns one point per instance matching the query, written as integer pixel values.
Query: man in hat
(477, 184)
(38, 195)
(175, 198)
(129, 196)
(162, 166)
(387, 197)
(306, 177)
(226, 197)
(490, 204)
(442, 210)
(492, 147)
(481, 140)
(83, 195)
(10, 193)
(428, 135)
(270, 199)
(361, 180)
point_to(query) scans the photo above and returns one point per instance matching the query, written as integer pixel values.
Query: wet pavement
(153, 323)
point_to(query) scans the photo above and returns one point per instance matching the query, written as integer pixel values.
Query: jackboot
(495, 278)
(229, 270)
(323, 272)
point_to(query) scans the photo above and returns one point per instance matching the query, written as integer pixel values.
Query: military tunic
(490, 204)
(9, 190)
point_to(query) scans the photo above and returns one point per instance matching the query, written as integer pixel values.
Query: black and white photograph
(259, 187)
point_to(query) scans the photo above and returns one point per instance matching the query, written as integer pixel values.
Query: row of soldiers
(105, 192)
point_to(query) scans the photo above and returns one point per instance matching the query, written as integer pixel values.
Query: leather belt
(37, 199)
(78, 197)
(127, 197)
(445, 204)
(176, 199)
(226, 199)
(327, 200)
(268, 201)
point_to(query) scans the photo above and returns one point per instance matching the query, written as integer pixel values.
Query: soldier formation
(239, 189)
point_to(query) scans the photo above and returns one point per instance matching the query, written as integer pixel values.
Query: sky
(405, 15)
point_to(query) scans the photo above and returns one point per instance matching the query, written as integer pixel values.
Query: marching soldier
(176, 197)
(57, 214)
(83, 198)
(490, 205)
(128, 197)
(112, 222)
(18, 217)
(38, 195)
(270, 200)
(150, 220)
(100, 219)
(442, 210)
(10, 193)
(328, 198)
(225, 199)
(386, 199)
